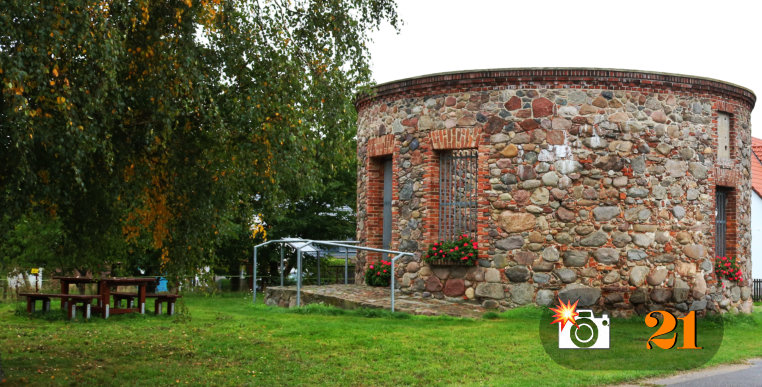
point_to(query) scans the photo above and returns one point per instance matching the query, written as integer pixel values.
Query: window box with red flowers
(728, 269)
(379, 274)
(459, 252)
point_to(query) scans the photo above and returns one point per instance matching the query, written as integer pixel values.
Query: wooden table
(66, 281)
(104, 291)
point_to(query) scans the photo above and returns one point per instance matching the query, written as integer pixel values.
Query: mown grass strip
(225, 340)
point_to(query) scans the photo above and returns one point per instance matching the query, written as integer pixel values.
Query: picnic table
(105, 285)
(104, 289)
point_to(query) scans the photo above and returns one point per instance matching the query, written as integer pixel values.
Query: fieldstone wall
(593, 184)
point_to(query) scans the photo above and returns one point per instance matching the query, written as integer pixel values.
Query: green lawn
(229, 341)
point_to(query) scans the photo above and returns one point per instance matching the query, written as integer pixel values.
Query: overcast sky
(718, 39)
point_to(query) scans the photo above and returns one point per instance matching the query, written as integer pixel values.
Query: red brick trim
(726, 176)
(431, 195)
(731, 232)
(483, 217)
(381, 146)
(374, 206)
(455, 138)
(725, 107)
(533, 78)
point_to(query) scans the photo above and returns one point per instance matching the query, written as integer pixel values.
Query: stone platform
(361, 296)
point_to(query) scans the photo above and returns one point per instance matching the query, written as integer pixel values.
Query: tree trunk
(78, 272)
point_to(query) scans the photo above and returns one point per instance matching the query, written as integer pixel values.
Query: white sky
(718, 39)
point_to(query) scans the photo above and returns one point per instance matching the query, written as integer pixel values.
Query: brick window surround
(380, 150)
(444, 140)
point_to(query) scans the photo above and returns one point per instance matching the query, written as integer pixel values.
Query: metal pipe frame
(393, 289)
(400, 254)
(346, 266)
(281, 241)
(345, 244)
(299, 273)
(281, 265)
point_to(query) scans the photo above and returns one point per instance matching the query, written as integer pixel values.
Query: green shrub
(225, 285)
(379, 274)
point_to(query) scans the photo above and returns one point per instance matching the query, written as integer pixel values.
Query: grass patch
(229, 341)
(491, 316)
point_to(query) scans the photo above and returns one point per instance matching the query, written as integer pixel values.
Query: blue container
(162, 287)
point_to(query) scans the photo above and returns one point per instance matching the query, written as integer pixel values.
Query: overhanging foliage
(136, 126)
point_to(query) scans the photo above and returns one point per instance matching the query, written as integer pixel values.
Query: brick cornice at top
(555, 78)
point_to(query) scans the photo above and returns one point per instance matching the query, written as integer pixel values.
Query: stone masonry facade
(593, 184)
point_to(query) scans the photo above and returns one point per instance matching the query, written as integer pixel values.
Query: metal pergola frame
(308, 242)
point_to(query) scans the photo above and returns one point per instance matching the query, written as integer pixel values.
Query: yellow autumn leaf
(55, 72)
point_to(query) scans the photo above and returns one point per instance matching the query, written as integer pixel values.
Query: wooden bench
(170, 299)
(68, 302)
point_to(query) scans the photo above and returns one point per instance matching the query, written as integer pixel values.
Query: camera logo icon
(587, 332)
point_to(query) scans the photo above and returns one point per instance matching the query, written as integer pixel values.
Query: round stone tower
(614, 187)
